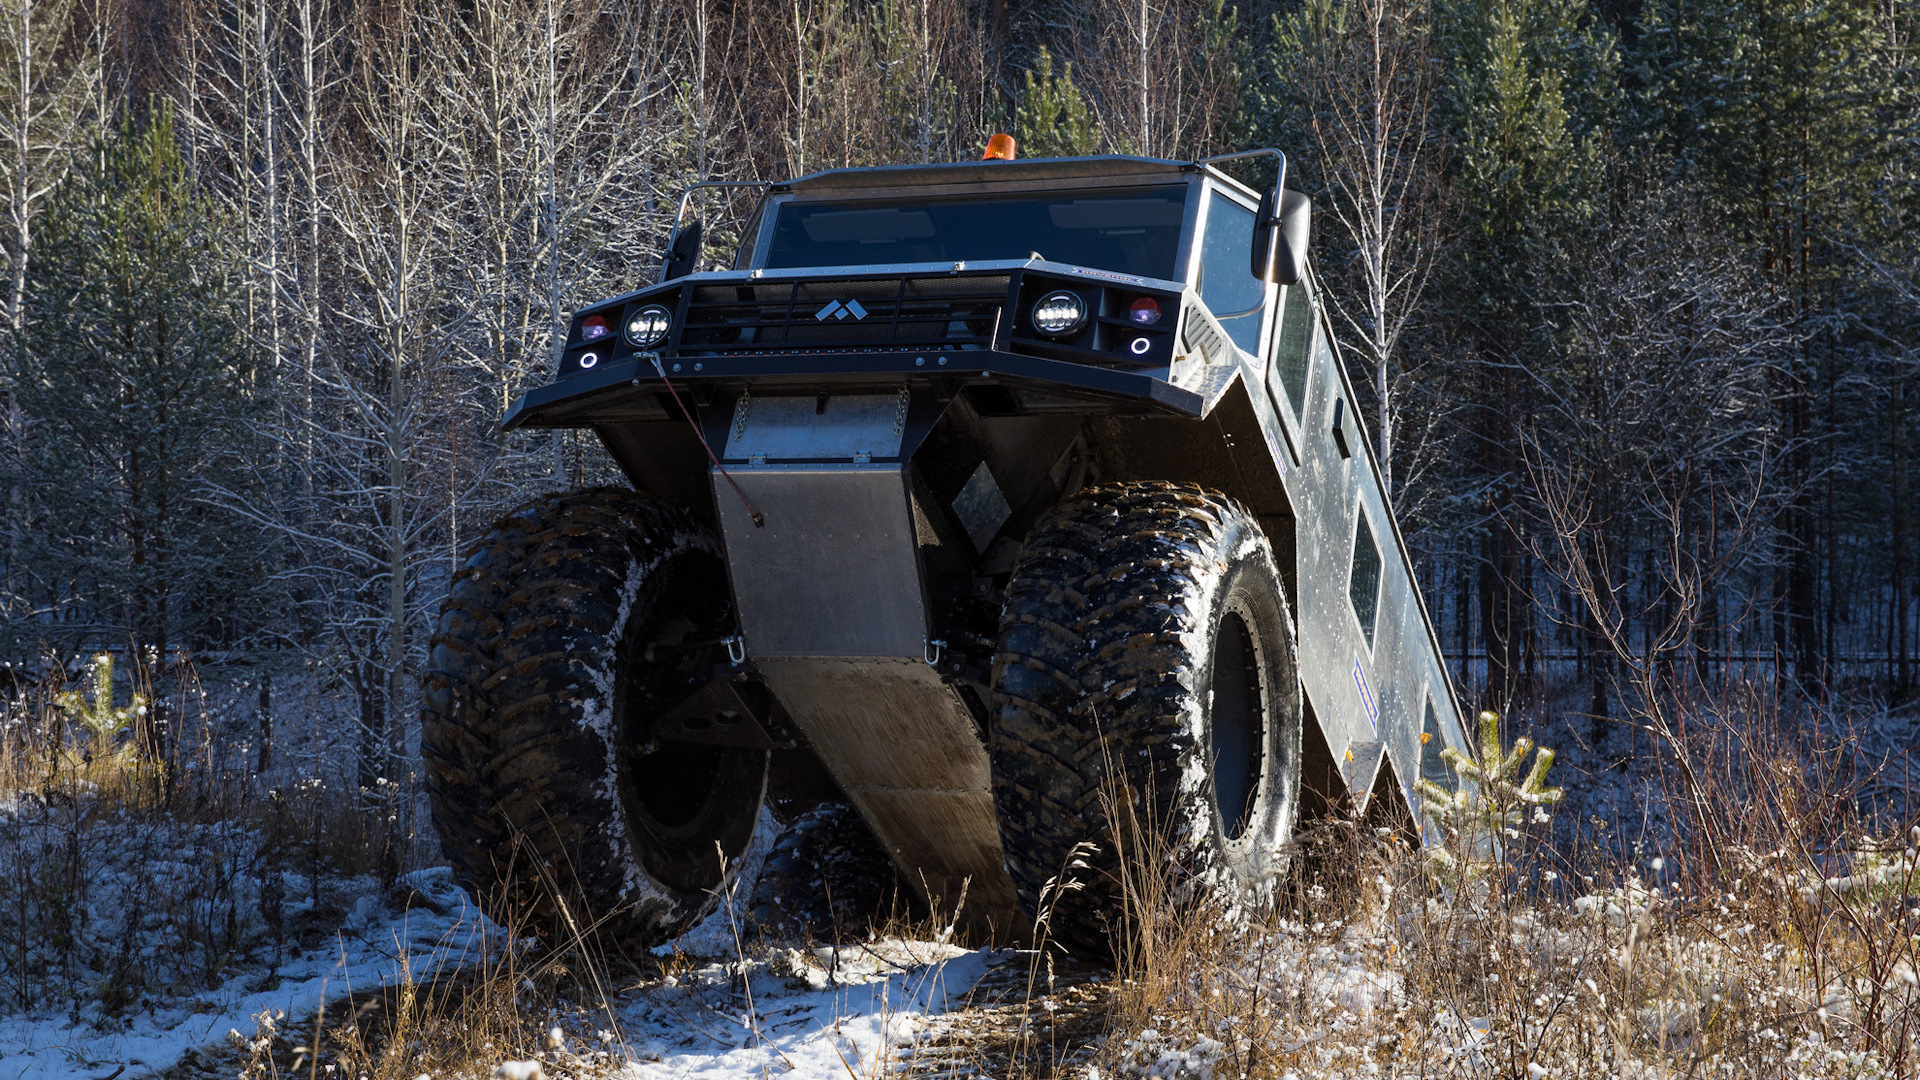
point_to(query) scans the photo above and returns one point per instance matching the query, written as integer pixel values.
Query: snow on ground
(809, 1014)
(372, 948)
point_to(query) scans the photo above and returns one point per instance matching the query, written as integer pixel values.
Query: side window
(1227, 285)
(1363, 586)
(1291, 345)
(1434, 768)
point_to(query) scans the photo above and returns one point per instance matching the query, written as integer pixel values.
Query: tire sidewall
(523, 729)
(1250, 864)
(1102, 734)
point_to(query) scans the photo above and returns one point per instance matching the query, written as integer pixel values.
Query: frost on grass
(136, 938)
(1512, 959)
(809, 1012)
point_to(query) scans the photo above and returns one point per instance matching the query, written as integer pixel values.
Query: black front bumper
(626, 389)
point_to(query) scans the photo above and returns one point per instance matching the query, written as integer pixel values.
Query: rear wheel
(827, 878)
(1146, 667)
(579, 619)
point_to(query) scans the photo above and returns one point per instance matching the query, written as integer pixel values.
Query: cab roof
(1106, 168)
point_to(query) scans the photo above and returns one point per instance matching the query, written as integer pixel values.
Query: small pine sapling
(1490, 801)
(101, 720)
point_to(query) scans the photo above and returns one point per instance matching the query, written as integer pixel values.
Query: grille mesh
(948, 312)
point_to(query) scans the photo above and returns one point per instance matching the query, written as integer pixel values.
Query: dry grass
(130, 879)
(1774, 938)
(509, 1003)
(127, 877)
(1772, 932)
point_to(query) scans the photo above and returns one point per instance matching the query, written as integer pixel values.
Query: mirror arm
(1280, 178)
(686, 197)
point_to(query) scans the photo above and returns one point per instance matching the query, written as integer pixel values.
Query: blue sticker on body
(1366, 696)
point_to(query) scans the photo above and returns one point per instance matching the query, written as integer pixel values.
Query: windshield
(1131, 231)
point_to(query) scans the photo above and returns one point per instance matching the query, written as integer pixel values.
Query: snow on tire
(549, 793)
(1145, 648)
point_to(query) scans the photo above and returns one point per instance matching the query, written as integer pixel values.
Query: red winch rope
(759, 519)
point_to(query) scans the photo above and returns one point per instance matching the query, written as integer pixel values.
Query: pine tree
(1530, 91)
(139, 386)
(1777, 112)
(1054, 119)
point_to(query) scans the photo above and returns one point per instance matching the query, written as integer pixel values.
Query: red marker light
(1144, 312)
(594, 328)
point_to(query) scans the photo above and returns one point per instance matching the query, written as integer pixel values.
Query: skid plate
(834, 617)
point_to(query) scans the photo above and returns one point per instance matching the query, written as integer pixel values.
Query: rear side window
(1363, 588)
(1434, 768)
(1227, 285)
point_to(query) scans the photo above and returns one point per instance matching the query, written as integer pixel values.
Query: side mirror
(683, 253)
(1280, 234)
(1296, 224)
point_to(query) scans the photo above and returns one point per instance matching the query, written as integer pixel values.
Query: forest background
(1632, 287)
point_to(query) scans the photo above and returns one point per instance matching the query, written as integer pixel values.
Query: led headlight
(648, 326)
(1059, 313)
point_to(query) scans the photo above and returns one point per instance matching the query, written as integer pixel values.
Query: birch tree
(45, 94)
(1360, 74)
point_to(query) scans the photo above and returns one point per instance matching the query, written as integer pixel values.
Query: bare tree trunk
(270, 183)
(1897, 622)
(1142, 35)
(309, 294)
(42, 104)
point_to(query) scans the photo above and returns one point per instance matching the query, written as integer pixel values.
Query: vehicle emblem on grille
(838, 310)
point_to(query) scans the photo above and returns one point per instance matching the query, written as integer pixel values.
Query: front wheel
(1146, 671)
(574, 624)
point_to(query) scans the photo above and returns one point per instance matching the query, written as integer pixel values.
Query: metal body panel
(834, 617)
(1364, 692)
(834, 571)
(826, 426)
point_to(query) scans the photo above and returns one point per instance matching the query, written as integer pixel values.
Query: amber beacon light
(999, 148)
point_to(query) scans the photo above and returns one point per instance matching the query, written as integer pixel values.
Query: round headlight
(648, 326)
(1059, 313)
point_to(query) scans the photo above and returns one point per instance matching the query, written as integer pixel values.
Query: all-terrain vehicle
(1023, 494)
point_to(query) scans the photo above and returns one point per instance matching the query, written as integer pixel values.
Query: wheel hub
(1237, 724)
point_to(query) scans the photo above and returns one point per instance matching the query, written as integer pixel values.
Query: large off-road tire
(827, 878)
(574, 623)
(1146, 678)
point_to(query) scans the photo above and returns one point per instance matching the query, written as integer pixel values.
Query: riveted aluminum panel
(825, 426)
(834, 571)
(1370, 682)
